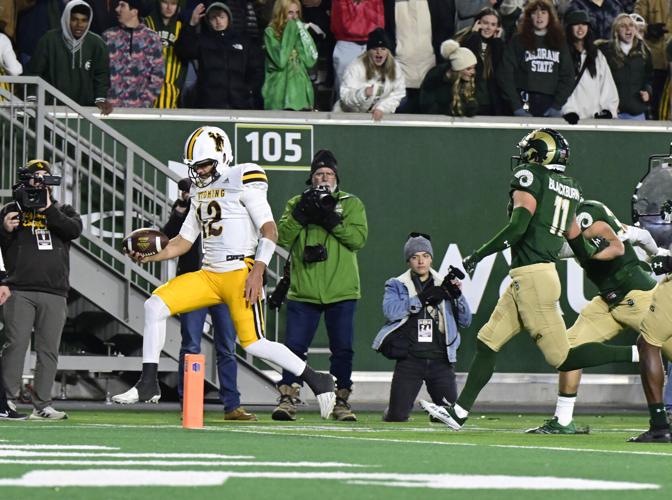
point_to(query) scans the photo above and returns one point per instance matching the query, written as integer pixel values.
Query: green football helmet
(545, 146)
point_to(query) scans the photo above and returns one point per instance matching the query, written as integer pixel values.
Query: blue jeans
(225, 346)
(667, 395)
(628, 116)
(339, 318)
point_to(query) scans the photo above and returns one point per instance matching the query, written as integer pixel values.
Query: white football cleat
(442, 414)
(132, 396)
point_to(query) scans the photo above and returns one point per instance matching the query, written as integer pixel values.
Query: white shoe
(327, 401)
(132, 396)
(441, 413)
(48, 413)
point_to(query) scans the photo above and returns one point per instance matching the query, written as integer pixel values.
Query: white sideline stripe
(215, 456)
(285, 430)
(121, 477)
(176, 463)
(444, 443)
(54, 447)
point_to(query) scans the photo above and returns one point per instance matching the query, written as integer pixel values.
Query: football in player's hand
(146, 242)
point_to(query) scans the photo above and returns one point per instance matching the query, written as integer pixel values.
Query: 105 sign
(275, 147)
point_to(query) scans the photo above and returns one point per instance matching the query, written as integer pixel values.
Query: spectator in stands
(9, 64)
(164, 20)
(665, 105)
(510, 11)
(450, 87)
(227, 70)
(417, 30)
(536, 74)
(484, 40)
(317, 16)
(373, 83)
(192, 323)
(467, 10)
(33, 22)
(422, 312)
(630, 62)
(595, 94)
(658, 16)
(136, 61)
(36, 245)
(351, 23)
(323, 229)
(104, 15)
(290, 53)
(9, 10)
(602, 14)
(74, 60)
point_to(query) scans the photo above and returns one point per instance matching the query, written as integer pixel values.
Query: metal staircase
(116, 187)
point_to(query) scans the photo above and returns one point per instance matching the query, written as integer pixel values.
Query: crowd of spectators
(547, 58)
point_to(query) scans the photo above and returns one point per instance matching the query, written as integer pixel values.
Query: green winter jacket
(287, 84)
(83, 76)
(336, 278)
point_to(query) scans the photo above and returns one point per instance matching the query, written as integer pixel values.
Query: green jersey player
(656, 333)
(544, 202)
(625, 289)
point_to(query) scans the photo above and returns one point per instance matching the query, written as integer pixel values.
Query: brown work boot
(342, 411)
(289, 398)
(240, 414)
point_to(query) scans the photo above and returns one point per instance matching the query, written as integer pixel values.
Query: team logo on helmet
(546, 147)
(207, 145)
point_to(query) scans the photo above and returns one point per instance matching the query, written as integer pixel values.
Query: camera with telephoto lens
(278, 296)
(33, 196)
(321, 198)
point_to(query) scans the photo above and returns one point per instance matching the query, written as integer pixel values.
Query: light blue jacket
(401, 300)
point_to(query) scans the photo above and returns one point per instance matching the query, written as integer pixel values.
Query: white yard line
(288, 430)
(178, 463)
(125, 478)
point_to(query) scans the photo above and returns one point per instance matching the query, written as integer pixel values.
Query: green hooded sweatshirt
(77, 67)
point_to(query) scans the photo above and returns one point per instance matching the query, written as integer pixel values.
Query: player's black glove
(656, 31)
(433, 295)
(305, 211)
(469, 263)
(661, 264)
(605, 114)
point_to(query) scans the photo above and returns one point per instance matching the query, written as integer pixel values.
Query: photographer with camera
(423, 311)
(35, 236)
(323, 229)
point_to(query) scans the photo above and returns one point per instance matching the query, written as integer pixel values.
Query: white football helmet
(207, 144)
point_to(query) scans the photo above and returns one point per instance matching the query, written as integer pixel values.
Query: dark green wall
(450, 182)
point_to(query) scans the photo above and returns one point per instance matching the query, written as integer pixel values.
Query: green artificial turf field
(146, 454)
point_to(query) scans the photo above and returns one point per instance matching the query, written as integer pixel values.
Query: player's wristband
(265, 250)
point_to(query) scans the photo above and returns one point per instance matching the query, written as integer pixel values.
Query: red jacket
(352, 21)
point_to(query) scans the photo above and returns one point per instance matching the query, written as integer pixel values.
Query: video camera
(32, 196)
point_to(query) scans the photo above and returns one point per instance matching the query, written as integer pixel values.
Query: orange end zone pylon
(192, 401)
